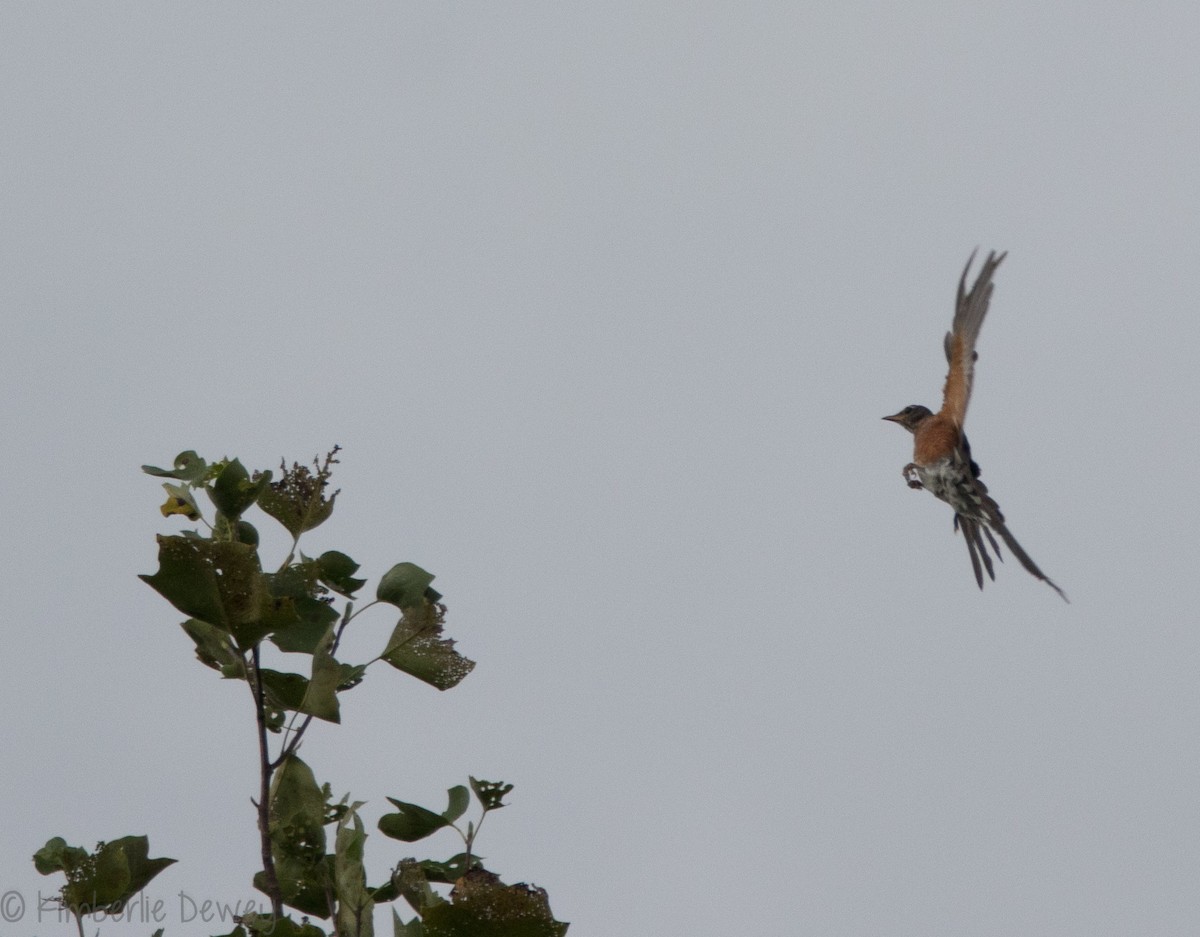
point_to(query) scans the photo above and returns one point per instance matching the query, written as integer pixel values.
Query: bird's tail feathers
(1024, 558)
(976, 547)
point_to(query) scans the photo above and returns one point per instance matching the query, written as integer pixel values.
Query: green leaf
(450, 871)
(351, 675)
(337, 571)
(413, 928)
(355, 904)
(142, 869)
(189, 467)
(246, 533)
(220, 583)
(298, 499)
(186, 578)
(381, 894)
(233, 491)
(280, 614)
(102, 881)
(320, 699)
(417, 648)
(283, 690)
(274, 719)
(411, 823)
(57, 856)
(311, 625)
(297, 580)
(298, 617)
(297, 830)
(482, 906)
(297, 814)
(305, 889)
(409, 880)
(490, 793)
(215, 649)
(404, 585)
(460, 799)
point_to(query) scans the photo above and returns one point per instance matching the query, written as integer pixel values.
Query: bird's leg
(910, 475)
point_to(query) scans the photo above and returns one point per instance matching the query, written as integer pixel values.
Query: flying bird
(942, 462)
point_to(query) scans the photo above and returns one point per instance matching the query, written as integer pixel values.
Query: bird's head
(911, 417)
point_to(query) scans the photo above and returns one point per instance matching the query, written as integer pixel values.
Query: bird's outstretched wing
(969, 312)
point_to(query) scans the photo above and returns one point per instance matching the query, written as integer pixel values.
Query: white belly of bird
(948, 480)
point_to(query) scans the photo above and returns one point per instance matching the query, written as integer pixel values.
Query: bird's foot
(910, 475)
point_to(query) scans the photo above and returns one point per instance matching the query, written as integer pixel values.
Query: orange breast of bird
(936, 439)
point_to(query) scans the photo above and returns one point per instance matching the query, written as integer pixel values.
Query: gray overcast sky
(604, 303)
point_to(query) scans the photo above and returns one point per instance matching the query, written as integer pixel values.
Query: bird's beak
(895, 417)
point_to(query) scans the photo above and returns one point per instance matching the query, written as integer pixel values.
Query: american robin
(942, 462)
